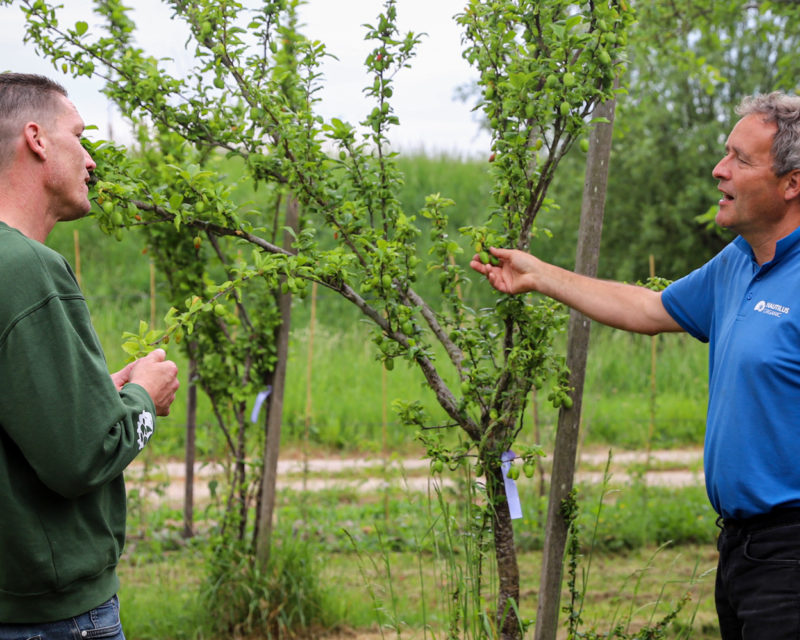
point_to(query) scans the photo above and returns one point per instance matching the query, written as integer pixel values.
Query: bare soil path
(165, 481)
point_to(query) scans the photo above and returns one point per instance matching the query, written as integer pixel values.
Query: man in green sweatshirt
(68, 429)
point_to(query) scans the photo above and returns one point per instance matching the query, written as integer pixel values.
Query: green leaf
(573, 21)
(175, 200)
(131, 347)
(81, 27)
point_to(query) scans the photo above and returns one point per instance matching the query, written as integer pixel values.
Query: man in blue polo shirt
(746, 303)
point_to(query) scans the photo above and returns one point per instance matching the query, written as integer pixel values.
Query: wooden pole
(191, 453)
(309, 371)
(384, 434)
(653, 356)
(152, 295)
(566, 445)
(269, 478)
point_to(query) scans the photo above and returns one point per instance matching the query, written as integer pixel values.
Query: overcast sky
(432, 119)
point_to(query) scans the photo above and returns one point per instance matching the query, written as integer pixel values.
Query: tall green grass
(620, 406)
(409, 572)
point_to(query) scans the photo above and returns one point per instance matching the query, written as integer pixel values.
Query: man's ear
(792, 182)
(34, 139)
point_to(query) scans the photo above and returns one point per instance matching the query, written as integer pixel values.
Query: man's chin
(720, 220)
(76, 214)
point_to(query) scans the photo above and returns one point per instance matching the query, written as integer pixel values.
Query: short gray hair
(24, 97)
(784, 111)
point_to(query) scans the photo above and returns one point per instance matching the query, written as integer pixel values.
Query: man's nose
(720, 171)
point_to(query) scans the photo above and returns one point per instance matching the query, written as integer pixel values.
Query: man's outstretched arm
(615, 304)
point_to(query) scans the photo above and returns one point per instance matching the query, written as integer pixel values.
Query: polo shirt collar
(785, 246)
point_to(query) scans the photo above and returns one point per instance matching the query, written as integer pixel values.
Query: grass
(379, 557)
(160, 597)
(350, 408)
(641, 586)
(351, 394)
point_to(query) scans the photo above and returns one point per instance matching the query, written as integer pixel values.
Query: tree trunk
(239, 489)
(566, 445)
(191, 432)
(506, 557)
(269, 477)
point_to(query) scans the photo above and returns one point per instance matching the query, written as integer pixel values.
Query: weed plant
(577, 585)
(452, 545)
(200, 591)
(284, 600)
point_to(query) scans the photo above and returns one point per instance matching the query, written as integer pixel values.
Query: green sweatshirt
(66, 435)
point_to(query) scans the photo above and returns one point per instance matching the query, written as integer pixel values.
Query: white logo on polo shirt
(771, 309)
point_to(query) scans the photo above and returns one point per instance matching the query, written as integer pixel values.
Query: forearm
(615, 304)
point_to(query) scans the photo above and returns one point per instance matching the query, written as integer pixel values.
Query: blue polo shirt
(750, 315)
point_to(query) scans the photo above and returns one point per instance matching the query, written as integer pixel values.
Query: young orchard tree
(544, 66)
(233, 344)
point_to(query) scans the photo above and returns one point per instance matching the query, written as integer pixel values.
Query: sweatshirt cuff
(136, 395)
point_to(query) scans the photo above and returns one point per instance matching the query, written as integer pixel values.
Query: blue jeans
(102, 622)
(758, 578)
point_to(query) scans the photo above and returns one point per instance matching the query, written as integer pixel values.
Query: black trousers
(758, 577)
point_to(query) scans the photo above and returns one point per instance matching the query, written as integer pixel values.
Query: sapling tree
(543, 67)
(232, 345)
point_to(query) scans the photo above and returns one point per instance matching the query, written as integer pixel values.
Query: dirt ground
(675, 467)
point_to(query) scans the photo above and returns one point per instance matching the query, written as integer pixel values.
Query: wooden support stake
(309, 371)
(652, 428)
(152, 295)
(566, 446)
